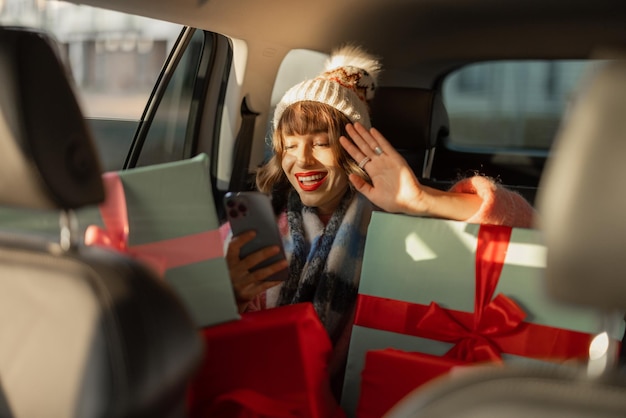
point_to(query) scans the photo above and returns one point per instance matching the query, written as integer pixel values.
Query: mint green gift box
(421, 260)
(170, 207)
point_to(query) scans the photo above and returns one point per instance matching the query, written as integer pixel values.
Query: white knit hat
(347, 84)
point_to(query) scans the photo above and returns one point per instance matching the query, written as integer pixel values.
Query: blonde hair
(301, 118)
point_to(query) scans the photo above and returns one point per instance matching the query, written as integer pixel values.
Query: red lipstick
(311, 181)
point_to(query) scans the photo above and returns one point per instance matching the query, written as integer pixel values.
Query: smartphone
(253, 210)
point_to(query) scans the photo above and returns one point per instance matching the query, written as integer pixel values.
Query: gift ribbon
(491, 317)
(161, 255)
(496, 326)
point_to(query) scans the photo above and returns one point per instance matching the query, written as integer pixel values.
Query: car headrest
(410, 118)
(47, 156)
(581, 199)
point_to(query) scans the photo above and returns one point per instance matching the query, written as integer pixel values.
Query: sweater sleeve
(500, 206)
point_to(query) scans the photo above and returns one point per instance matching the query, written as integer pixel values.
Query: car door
(180, 119)
(183, 115)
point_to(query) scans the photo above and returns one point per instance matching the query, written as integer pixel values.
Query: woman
(323, 226)
(315, 179)
(323, 218)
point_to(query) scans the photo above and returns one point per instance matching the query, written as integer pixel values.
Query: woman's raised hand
(394, 186)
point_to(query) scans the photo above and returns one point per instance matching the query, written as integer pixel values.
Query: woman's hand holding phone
(255, 256)
(248, 284)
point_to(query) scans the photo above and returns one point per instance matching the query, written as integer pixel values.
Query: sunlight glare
(599, 346)
(599, 360)
(417, 249)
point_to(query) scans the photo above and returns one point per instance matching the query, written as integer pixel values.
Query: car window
(510, 105)
(166, 138)
(115, 60)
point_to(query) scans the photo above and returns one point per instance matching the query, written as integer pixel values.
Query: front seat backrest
(582, 200)
(84, 332)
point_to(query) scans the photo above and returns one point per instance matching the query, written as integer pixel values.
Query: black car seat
(413, 120)
(84, 332)
(582, 207)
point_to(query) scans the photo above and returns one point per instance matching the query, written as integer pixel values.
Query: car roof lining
(423, 34)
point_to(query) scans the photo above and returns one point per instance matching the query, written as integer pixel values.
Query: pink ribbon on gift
(161, 255)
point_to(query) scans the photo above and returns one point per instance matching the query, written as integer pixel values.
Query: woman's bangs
(304, 118)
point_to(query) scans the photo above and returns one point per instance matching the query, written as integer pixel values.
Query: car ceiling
(417, 38)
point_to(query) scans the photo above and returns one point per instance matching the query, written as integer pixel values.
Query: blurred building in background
(108, 52)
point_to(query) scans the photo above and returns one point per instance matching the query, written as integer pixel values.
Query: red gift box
(271, 363)
(389, 375)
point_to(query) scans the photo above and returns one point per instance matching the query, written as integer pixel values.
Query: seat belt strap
(243, 148)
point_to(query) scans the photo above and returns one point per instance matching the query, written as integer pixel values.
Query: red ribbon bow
(492, 318)
(496, 326)
(160, 255)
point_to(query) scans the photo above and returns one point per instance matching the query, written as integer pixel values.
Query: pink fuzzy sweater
(500, 206)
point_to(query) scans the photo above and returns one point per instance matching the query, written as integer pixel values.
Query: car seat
(413, 120)
(84, 332)
(582, 215)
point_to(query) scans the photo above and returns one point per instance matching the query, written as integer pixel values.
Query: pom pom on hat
(347, 84)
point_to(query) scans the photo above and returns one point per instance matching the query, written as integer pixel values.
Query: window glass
(165, 140)
(115, 59)
(510, 104)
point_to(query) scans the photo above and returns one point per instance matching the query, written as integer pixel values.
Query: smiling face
(313, 170)
(312, 159)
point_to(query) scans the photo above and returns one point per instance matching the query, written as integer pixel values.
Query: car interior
(595, 389)
(530, 93)
(91, 349)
